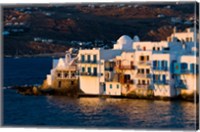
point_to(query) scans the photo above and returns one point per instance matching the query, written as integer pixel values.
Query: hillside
(55, 28)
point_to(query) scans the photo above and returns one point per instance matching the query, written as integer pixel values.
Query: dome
(125, 39)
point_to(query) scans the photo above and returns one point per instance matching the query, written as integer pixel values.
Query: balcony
(125, 67)
(88, 61)
(160, 68)
(88, 74)
(148, 63)
(143, 75)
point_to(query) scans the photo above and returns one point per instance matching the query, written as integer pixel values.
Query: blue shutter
(163, 78)
(159, 64)
(154, 77)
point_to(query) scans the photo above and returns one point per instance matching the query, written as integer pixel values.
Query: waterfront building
(165, 69)
(64, 73)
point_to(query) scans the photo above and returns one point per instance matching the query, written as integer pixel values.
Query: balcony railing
(144, 62)
(88, 61)
(143, 75)
(160, 68)
(88, 74)
(125, 67)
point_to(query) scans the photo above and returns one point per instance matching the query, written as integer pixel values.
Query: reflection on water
(127, 113)
(84, 112)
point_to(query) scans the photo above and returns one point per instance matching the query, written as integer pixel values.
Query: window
(73, 74)
(139, 71)
(163, 64)
(83, 69)
(110, 86)
(157, 77)
(95, 58)
(142, 71)
(158, 48)
(142, 58)
(82, 58)
(66, 75)
(154, 78)
(117, 86)
(164, 78)
(89, 70)
(147, 58)
(139, 82)
(154, 64)
(184, 66)
(95, 71)
(147, 71)
(72, 82)
(104, 87)
(88, 58)
(59, 75)
(192, 69)
(154, 48)
(143, 82)
(144, 48)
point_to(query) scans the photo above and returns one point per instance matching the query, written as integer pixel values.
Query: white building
(64, 71)
(167, 68)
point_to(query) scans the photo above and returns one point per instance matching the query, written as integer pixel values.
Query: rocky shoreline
(76, 93)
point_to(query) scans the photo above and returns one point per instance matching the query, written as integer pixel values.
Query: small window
(82, 58)
(66, 75)
(143, 82)
(72, 82)
(83, 69)
(88, 58)
(158, 48)
(142, 58)
(147, 71)
(154, 48)
(110, 86)
(89, 70)
(147, 58)
(95, 58)
(59, 75)
(144, 48)
(117, 86)
(73, 74)
(142, 71)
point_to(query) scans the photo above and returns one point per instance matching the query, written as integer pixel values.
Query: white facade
(92, 71)
(63, 68)
(136, 65)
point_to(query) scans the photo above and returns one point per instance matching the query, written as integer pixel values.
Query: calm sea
(19, 110)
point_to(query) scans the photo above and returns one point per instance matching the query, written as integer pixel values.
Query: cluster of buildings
(166, 68)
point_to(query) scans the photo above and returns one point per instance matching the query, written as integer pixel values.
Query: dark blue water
(22, 110)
